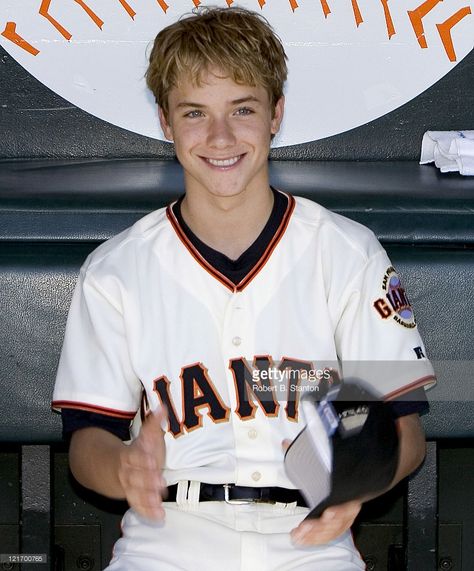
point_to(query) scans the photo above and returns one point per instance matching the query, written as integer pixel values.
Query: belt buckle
(227, 499)
(243, 501)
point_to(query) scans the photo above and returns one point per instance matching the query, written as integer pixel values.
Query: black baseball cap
(348, 449)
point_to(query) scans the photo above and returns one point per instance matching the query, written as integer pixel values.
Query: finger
(334, 521)
(143, 494)
(147, 508)
(153, 427)
(148, 481)
(316, 533)
(150, 517)
(139, 458)
(155, 421)
(301, 535)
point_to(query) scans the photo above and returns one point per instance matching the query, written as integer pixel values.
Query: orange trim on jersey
(407, 388)
(273, 243)
(258, 266)
(59, 404)
(195, 253)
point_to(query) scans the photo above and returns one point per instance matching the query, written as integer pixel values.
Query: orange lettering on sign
(388, 19)
(357, 14)
(130, 11)
(44, 11)
(445, 27)
(416, 16)
(325, 7)
(10, 34)
(163, 5)
(92, 15)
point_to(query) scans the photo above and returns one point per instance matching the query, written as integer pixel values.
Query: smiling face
(222, 132)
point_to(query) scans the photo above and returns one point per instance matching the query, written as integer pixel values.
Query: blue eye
(193, 114)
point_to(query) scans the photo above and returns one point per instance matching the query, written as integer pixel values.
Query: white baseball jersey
(151, 316)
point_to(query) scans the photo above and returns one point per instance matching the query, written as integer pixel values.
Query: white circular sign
(350, 61)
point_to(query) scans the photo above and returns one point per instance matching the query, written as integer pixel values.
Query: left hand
(334, 521)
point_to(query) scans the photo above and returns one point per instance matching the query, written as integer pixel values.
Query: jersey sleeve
(74, 419)
(95, 373)
(410, 403)
(376, 335)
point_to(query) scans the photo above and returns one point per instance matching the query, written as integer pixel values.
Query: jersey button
(236, 340)
(253, 434)
(256, 476)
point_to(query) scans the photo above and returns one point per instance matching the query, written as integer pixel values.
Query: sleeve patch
(394, 303)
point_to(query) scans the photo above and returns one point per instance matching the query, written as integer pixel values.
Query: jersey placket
(251, 435)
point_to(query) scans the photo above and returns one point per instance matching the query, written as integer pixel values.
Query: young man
(180, 310)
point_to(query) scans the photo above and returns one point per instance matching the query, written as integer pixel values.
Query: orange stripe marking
(445, 27)
(163, 5)
(357, 14)
(195, 253)
(416, 16)
(92, 15)
(130, 11)
(44, 11)
(388, 19)
(411, 386)
(129, 415)
(258, 266)
(325, 7)
(293, 4)
(272, 245)
(10, 34)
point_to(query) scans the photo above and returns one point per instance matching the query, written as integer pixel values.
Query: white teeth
(224, 162)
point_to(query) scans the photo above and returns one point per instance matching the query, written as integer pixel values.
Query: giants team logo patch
(394, 304)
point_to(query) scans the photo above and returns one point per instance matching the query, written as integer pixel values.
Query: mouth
(223, 163)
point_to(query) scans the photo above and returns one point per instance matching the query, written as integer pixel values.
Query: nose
(221, 134)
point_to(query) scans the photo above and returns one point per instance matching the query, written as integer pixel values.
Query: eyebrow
(239, 101)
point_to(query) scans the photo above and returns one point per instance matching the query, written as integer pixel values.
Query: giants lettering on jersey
(261, 385)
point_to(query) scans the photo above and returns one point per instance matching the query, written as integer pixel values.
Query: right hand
(140, 468)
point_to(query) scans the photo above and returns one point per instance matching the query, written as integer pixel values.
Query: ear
(278, 115)
(165, 126)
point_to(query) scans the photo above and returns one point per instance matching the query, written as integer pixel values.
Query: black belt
(233, 494)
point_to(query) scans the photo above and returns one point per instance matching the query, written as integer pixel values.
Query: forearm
(94, 458)
(412, 446)
(412, 449)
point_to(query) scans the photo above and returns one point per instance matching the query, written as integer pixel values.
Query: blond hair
(235, 41)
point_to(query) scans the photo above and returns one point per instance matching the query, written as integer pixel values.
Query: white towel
(451, 151)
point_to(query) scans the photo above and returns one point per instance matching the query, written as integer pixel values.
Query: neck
(228, 224)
